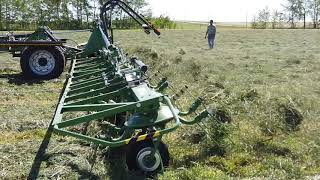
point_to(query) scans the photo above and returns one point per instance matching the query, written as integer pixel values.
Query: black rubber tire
(165, 155)
(57, 70)
(134, 149)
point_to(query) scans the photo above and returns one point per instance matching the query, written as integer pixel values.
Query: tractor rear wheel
(42, 62)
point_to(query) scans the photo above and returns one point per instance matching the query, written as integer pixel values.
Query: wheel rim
(148, 162)
(42, 62)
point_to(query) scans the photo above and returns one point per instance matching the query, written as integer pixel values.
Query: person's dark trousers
(211, 39)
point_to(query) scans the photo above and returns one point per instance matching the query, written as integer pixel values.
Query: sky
(218, 10)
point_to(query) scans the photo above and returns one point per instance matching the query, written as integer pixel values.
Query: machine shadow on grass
(40, 156)
(83, 174)
(19, 79)
(35, 169)
(43, 156)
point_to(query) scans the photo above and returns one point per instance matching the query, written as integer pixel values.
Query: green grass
(255, 75)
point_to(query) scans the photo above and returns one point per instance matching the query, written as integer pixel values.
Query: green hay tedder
(108, 88)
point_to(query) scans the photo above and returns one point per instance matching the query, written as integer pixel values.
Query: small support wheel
(147, 160)
(42, 62)
(143, 157)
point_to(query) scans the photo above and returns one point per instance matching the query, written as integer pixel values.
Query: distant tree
(124, 21)
(137, 5)
(62, 14)
(164, 22)
(37, 11)
(65, 10)
(19, 13)
(277, 19)
(7, 13)
(314, 8)
(57, 4)
(96, 6)
(261, 20)
(254, 22)
(87, 12)
(303, 10)
(294, 8)
(1, 1)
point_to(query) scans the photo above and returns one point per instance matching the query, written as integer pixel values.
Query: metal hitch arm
(106, 17)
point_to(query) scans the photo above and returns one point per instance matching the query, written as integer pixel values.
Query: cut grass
(12, 137)
(249, 73)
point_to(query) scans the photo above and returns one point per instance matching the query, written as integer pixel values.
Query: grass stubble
(264, 82)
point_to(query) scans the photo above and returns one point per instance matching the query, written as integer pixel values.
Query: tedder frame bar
(96, 92)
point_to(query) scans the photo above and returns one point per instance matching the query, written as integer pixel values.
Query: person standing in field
(211, 34)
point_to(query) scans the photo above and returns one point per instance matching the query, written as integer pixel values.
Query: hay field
(265, 80)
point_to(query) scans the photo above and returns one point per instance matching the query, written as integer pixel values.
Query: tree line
(295, 14)
(67, 14)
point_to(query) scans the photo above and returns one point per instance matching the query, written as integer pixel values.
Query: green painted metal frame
(99, 87)
(108, 88)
